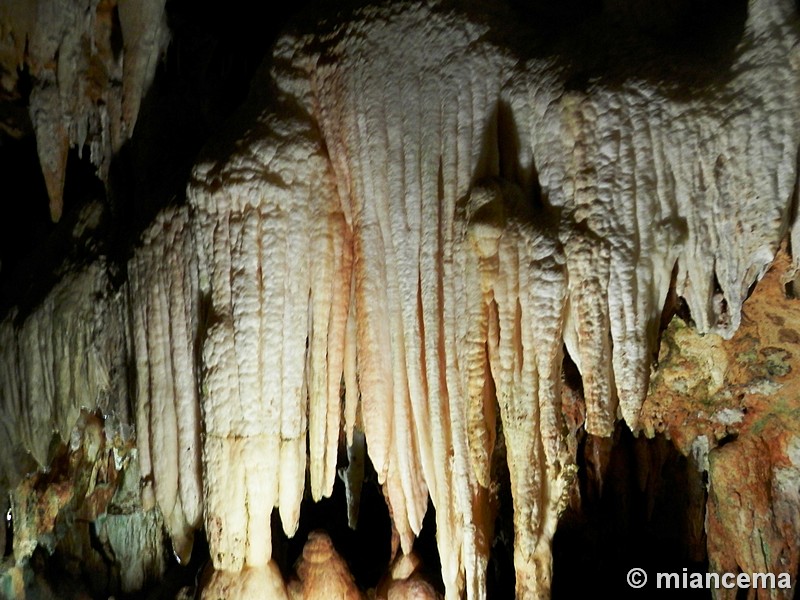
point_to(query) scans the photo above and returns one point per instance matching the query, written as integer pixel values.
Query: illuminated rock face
(737, 416)
(434, 204)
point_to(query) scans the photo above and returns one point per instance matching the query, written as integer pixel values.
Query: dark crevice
(508, 145)
(721, 311)
(682, 311)
(642, 514)
(25, 225)
(673, 305)
(426, 549)
(570, 374)
(35, 252)
(751, 289)
(116, 41)
(500, 575)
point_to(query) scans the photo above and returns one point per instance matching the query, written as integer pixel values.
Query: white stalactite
(275, 259)
(453, 303)
(164, 304)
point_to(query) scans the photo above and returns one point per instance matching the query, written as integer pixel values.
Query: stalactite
(164, 308)
(444, 298)
(68, 48)
(265, 387)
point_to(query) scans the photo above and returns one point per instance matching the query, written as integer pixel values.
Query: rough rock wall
(731, 405)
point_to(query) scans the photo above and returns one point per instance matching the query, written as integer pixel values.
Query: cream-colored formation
(163, 285)
(84, 91)
(405, 582)
(397, 252)
(437, 138)
(67, 354)
(322, 573)
(274, 351)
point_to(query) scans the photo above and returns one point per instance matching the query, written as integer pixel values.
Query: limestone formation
(436, 208)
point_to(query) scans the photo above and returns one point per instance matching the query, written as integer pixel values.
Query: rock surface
(733, 405)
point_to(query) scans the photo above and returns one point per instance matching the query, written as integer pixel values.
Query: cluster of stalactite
(397, 251)
(90, 63)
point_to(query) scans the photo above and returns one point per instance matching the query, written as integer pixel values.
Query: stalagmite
(404, 581)
(322, 573)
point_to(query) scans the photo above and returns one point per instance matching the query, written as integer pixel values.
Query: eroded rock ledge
(392, 258)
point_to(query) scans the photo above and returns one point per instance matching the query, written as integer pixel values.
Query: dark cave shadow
(684, 48)
(621, 524)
